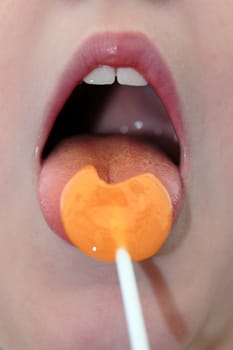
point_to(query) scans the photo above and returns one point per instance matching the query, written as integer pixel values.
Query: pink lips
(117, 50)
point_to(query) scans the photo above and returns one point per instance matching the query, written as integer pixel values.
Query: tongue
(116, 158)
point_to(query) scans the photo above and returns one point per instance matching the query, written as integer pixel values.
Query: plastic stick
(133, 310)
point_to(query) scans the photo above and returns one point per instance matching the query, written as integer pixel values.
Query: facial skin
(51, 295)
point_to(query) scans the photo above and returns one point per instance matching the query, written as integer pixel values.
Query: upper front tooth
(129, 76)
(101, 76)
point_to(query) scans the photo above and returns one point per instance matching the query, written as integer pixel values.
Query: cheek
(210, 192)
(19, 23)
(214, 142)
(211, 121)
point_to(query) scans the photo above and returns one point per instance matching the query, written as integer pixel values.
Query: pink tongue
(116, 158)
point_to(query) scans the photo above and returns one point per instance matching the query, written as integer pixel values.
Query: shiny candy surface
(99, 217)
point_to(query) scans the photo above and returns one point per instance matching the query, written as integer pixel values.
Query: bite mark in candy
(99, 218)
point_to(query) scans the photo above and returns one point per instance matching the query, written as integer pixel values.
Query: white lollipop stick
(133, 310)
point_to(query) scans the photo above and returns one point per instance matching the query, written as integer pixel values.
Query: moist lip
(117, 50)
(126, 49)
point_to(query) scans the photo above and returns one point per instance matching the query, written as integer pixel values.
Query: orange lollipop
(99, 218)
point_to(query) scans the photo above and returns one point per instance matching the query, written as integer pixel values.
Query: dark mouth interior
(82, 112)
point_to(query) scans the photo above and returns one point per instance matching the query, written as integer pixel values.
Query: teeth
(106, 75)
(129, 76)
(101, 76)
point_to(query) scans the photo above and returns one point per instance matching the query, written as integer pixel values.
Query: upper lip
(127, 49)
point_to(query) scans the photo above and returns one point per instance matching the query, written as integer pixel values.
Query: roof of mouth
(115, 109)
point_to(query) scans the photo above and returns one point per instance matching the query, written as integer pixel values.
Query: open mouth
(114, 119)
(105, 110)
